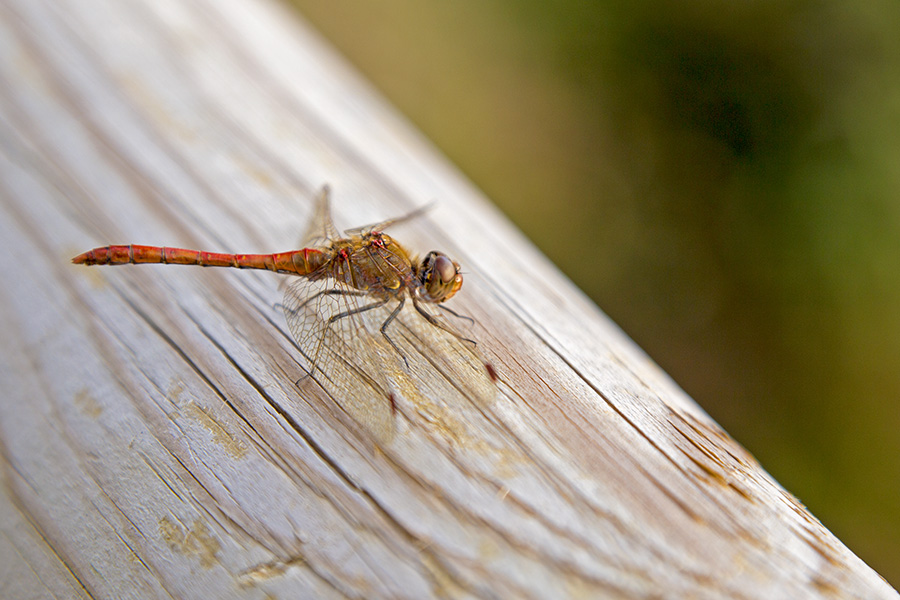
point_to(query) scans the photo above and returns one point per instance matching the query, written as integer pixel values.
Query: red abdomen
(298, 262)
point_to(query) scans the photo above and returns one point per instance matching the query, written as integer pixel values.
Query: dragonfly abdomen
(299, 262)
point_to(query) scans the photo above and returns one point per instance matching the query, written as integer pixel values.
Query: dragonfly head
(439, 277)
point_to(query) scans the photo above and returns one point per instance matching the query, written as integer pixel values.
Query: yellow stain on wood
(87, 403)
(265, 571)
(196, 540)
(221, 436)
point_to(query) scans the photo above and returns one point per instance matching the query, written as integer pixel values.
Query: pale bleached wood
(155, 444)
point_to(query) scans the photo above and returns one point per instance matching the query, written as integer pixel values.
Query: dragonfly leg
(354, 311)
(368, 307)
(456, 314)
(332, 292)
(387, 322)
(437, 322)
(291, 311)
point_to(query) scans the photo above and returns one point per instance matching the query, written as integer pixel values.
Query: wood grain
(155, 442)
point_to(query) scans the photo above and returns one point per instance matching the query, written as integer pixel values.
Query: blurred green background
(723, 178)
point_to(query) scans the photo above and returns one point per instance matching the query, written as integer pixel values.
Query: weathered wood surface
(154, 442)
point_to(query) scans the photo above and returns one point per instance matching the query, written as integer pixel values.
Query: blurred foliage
(722, 178)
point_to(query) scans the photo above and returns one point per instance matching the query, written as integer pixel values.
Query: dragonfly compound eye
(439, 276)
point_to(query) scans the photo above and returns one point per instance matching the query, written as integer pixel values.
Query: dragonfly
(345, 306)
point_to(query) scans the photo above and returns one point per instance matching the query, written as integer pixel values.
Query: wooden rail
(158, 438)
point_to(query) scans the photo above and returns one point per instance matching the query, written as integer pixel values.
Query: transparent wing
(438, 375)
(452, 359)
(338, 333)
(321, 228)
(390, 222)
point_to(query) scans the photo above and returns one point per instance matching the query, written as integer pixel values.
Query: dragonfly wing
(446, 353)
(321, 228)
(390, 222)
(344, 350)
